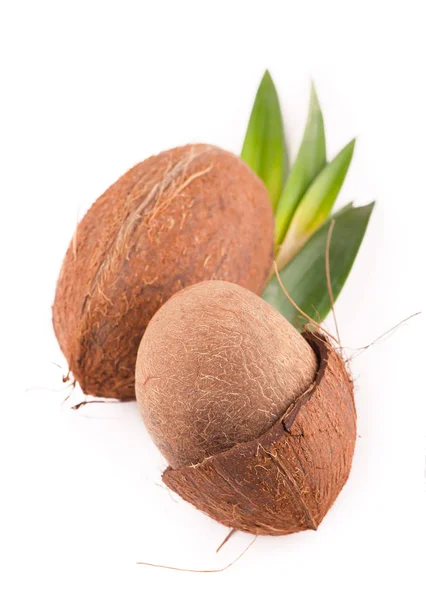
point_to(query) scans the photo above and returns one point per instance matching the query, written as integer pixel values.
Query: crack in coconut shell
(144, 239)
(288, 478)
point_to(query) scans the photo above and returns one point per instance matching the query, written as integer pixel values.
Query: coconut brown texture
(217, 366)
(287, 479)
(189, 214)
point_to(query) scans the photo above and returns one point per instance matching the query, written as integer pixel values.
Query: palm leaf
(315, 205)
(310, 160)
(264, 147)
(304, 277)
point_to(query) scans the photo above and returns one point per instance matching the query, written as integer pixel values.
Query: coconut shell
(187, 215)
(217, 366)
(287, 479)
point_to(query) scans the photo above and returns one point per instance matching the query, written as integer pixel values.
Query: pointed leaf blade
(310, 160)
(316, 204)
(305, 277)
(264, 146)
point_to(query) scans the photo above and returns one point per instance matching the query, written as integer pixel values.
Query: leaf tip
(348, 150)
(314, 96)
(371, 206)
(267, 78)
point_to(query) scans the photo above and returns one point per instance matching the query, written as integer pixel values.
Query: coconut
(189, 214)
(257, 422)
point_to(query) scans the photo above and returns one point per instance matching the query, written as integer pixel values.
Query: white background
(89, 89)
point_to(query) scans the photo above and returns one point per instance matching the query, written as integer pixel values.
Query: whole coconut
(256, 421)
(189, 214)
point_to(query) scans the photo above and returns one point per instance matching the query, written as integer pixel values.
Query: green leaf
(264, 147)
(316, 204)
(304, 277)
(310, 160)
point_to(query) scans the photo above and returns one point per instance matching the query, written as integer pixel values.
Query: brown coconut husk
(287, 479)
(189, 214)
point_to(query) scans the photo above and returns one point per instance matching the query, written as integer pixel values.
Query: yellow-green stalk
(310, 160)
(315, 205)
